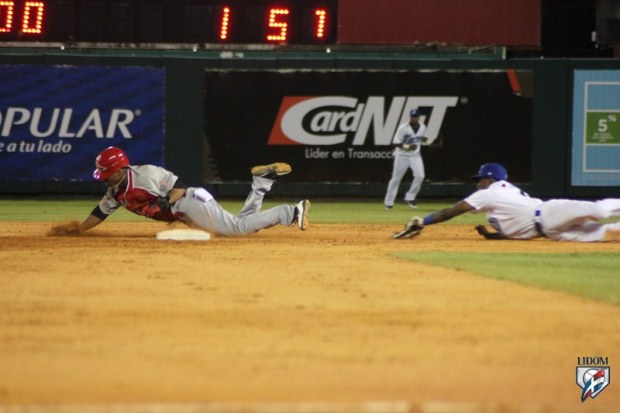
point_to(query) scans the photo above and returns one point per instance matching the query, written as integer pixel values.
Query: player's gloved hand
(163, 202)
(157, 206)
(482, 230)
(412, 228)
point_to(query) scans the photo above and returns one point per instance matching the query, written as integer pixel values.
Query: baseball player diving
(514, 215)
(407, 141)
(157, 193)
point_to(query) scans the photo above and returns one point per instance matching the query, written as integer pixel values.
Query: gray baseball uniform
(198, 207)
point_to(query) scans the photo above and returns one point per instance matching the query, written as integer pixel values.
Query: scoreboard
(304, 22)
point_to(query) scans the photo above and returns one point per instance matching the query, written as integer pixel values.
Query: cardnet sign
(54, 120)
(331, 119)
(337, 126)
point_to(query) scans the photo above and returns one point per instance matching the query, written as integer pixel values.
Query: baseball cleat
(389, 206)
(301, 214)
(412, 204)
(272, 171)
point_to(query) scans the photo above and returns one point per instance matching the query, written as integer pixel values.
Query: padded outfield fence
(219, 113)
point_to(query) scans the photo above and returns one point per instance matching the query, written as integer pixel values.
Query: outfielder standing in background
(514, 215)
(407, 141)
(156, 193)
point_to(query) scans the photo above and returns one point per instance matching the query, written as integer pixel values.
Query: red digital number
(279, 23)
(6, 14)
(321, 23)
(32, 20)
(33, 15)
(224, 23)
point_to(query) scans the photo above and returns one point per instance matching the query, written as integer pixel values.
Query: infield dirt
(116, 316)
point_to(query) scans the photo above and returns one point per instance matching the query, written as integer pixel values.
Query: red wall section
(513, 23)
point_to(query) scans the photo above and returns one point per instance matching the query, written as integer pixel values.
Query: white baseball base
(184, 235)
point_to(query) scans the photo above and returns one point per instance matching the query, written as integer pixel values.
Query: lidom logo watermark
(593, 376)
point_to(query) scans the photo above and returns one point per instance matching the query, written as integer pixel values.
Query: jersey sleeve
(108, 204)
(479, 200)
(399, 136)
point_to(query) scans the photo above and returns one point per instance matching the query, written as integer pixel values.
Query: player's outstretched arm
(446, 214)
(415, 225)
(91, 221)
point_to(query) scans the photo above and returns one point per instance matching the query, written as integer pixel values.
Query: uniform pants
(199, 208)
(402, 162)
(571, 220)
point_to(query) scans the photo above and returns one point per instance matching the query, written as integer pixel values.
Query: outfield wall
(330, 114)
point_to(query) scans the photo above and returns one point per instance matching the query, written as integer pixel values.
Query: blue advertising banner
(54, 120)
(596, 128)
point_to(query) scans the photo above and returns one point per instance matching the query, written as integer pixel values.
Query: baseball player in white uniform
(407, 141)
(514, 215)
(157, 193)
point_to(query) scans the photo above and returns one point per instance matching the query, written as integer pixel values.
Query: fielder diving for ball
(156, 193)
(514, 215)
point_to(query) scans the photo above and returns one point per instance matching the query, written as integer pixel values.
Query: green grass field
(592, 275)
(595, 275)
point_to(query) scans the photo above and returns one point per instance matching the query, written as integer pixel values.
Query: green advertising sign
(603, 128)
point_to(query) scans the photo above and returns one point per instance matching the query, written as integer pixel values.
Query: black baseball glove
(482, 230)
(412, 228)
(157, 207)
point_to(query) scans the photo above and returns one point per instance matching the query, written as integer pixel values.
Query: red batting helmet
(109, 161)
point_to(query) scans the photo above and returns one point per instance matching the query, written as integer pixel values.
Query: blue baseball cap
(491, 170)
(414, 112)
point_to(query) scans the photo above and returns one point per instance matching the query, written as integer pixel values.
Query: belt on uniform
(537, 223)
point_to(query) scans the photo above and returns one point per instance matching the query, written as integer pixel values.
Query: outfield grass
(592, 275)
